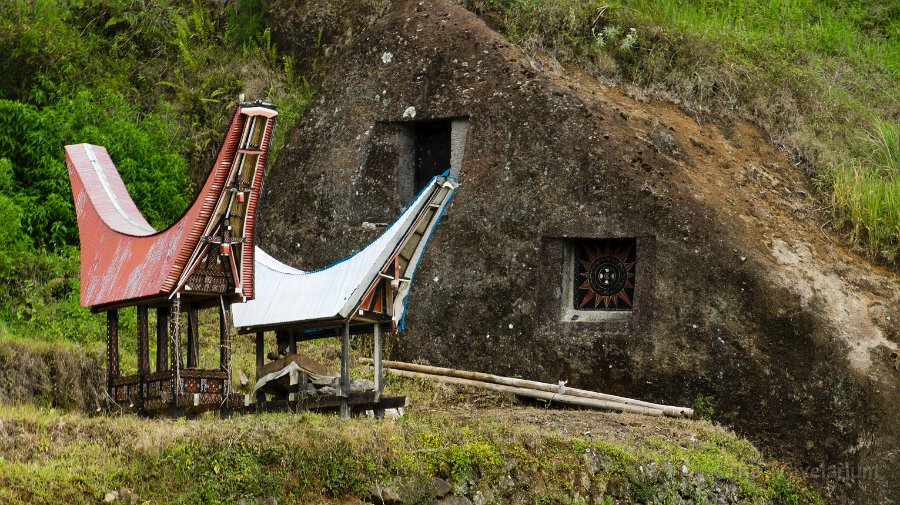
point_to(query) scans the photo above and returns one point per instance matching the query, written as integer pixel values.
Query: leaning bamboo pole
(533, 393)
(669, 410)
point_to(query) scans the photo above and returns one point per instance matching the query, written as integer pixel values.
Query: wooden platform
(358, 402)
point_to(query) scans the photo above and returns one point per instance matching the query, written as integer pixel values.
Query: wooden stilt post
(175, 348)
(225, 342)
(143, 348)
(143, 328)
(112, 349)
(379, 378)
(379, 374)
(282, 343)
(260, 351)
(292, 342)
(260, 357)
(345, 371)
(162, 344)
(193, 336)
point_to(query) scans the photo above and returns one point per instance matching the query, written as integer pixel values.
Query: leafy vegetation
(821, 77)
(704, 406)
(865, 191)
(153, 82)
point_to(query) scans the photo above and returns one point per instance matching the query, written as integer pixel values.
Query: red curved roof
(123, 259)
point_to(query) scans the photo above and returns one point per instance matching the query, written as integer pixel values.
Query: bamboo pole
(532, 393)
(668, 410)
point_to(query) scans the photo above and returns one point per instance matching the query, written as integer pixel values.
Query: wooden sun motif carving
(604, 274)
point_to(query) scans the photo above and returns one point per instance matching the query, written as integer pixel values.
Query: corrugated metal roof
(286, 295)
(122, 257)
(107, 192)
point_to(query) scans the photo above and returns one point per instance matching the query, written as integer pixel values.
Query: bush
(704, 407)
(153, 82)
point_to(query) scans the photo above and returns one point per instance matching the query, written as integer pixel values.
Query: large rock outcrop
(738, 294)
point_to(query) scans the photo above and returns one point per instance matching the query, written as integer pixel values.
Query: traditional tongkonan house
(203, 261)
(364, 293)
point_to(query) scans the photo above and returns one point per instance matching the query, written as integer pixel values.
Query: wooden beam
(379, 380)
(143, 329)
(193, 336)
(359, 402)
(112, 346)
(345, 371)
(162, 340)
(175, 339)
(260, 351)
(321, 324)
(225, 341)
(143, 349)
(260, 361)
(533, 393)
(535, 385)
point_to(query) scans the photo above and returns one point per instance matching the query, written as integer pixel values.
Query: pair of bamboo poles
(554, 393)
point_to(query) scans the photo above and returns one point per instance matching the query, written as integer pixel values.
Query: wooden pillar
(143, 349)
(112, 347)
(193, 336)
(175, 347)
(143, 329)
(225, 340)
(345, 371)
(379, 380)
(260, 360)
(282, 341)
(260, 351)
(292, 342)
(162, 341)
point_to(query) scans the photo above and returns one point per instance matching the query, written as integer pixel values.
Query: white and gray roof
(285, 295)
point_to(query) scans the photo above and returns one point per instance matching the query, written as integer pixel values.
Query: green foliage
(865, 192)
(153, 82)
(715, 454)
(41, 299)
(704, 406)
(245, 21)
(32, 138)
(14, 243)
(458, 455)
(814, 74)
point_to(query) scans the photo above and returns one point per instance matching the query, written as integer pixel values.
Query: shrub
(147, 80)
(704, 406)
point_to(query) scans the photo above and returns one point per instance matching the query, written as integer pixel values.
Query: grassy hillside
(53, 457)
(823, 77)
(477, 441)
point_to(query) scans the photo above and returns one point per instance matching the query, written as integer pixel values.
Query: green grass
(865, 192)
(58, 374)
(819, 76)
(47, 456)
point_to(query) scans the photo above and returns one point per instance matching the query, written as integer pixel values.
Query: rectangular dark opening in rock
(432, 151)
(603, 274)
